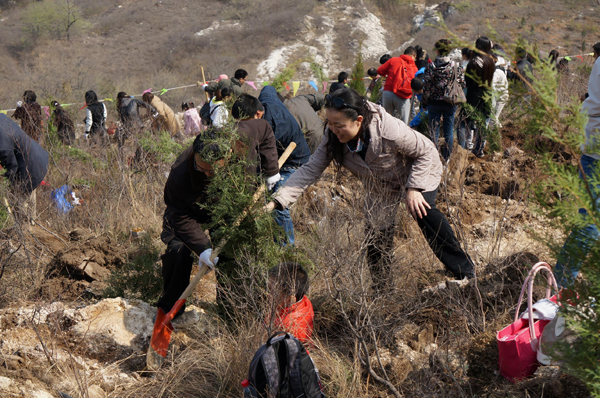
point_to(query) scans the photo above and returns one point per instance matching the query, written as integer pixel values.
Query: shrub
(52, 19)
(161, 147)
(140, 277)
(358, 73)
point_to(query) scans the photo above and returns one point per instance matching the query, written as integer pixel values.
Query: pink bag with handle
(518, 342)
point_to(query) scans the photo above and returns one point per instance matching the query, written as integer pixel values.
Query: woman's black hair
(443, 47)
(384, 58)
(483, 44)
(225, 92)
(484, 49)
(291, 278)
(467, 52)
(147, 97)
(120, 96)
(29, 96)
(335, 149)
(91, 97)
(596, 48)
(185, 106)
(553, 56)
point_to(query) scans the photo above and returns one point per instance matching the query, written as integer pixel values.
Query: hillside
(131, 45)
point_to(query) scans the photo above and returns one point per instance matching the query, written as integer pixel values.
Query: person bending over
(393, 162)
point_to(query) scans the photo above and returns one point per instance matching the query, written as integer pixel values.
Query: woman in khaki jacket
(392, 161)
(166, 120)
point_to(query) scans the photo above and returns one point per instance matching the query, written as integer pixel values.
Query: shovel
(161, 334)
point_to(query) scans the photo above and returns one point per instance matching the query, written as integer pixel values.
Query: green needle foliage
(358, 72)
(238, 218)
(550, 126)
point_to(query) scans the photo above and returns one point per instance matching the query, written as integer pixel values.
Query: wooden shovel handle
(204, 80)
(257, 195)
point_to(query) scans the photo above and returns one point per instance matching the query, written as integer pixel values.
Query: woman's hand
(416, 203)
(269, 207)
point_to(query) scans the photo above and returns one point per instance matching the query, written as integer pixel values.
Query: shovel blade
(161, 336)
(159, 343)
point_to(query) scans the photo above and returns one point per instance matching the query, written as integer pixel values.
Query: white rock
(5, 383)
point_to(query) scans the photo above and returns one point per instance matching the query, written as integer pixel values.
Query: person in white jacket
(500, 91)
(582, 240)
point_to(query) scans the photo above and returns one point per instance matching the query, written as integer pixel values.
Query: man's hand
(205, 259)
(416, 203)
(269, 207)
(272, 181)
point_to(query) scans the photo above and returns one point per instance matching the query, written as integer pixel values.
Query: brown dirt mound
(89, 258)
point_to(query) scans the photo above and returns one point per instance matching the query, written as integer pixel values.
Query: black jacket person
(185, 192)
(25, 161)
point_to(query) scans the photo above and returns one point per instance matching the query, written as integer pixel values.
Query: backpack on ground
(283, 368)
(206, 113)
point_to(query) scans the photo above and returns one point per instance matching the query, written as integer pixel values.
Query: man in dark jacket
(286, 130)
(185, 190)
(182, 231)
(258, 134)
(304, 108)
(25, 161)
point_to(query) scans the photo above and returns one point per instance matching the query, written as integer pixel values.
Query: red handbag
(518, 342)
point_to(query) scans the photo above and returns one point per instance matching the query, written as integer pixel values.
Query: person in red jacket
(288, 285)
(399, 72)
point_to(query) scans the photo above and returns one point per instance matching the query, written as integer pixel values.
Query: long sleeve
(415, 146)
(88, 120)
(104, 114)
(592, 103)
(268, 153)
(383, 69)
(304, 176)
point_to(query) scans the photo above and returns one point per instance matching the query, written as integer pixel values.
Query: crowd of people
(376, 140)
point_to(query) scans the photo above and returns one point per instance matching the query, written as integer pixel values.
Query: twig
(375, 376)
(51, 233)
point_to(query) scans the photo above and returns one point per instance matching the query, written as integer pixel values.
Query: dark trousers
(439, 235)
(380, 256)
(443, 242)
(176, 270)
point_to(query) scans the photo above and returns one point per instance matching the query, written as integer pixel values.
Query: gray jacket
(397, 157)
(304, 108)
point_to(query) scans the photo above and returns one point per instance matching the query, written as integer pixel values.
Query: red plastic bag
(518, 342)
